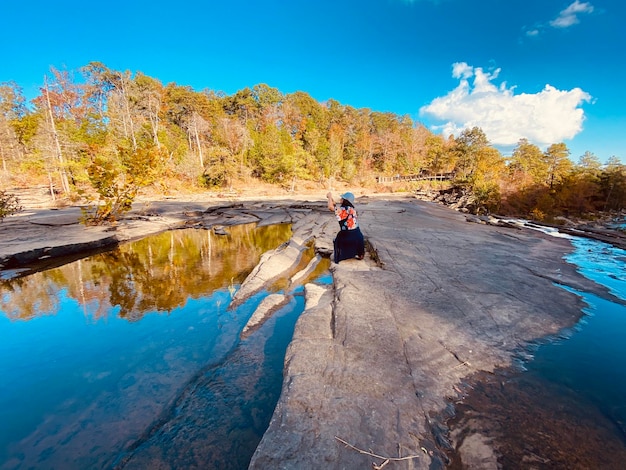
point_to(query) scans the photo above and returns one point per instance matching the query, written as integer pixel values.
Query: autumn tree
(486, 178)
(306, 122)
(269, 105)
(386, 143)
(271, 154)
(354, 138)
(556, 159)
(580, 190)
(527, 165)
(52, 107)
(148, 102)
(613, 185)
(12, 111)
(194, 115)
(438, 158)
(243, 105)
(362, 147)
(467, 147)
(414, 148)
(98, 84)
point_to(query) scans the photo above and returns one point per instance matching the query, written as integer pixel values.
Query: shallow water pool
(102, 357)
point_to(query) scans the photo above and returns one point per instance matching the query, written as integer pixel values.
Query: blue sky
(548, 70)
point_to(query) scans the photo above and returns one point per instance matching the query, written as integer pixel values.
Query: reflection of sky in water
(590, 362)
(61, 371)
(220, 417)
(80, 384)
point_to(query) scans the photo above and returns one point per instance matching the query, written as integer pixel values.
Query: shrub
(9, 204)
(118, 180)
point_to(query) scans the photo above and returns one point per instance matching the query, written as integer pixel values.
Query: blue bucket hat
(348, 197)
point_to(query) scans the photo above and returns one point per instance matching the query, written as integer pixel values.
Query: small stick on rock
(385, 460)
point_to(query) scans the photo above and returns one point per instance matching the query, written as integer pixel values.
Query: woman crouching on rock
(349, 241)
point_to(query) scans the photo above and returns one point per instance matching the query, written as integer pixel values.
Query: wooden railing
(423, 176)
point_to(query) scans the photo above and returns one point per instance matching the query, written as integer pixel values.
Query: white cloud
(569, 16)
(566, 18)
(462, 70)
(544, 118)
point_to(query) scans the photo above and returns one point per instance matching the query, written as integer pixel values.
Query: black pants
(349, 244)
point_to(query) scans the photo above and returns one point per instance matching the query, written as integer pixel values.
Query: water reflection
(220, 418)
(87, 368)
(158, 273)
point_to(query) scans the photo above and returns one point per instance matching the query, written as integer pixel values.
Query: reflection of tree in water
(157, 273)
(24, 299)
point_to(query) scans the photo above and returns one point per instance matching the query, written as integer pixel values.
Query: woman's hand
(331, 203)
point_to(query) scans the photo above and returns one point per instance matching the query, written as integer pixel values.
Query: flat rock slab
(378, 361)
(57, 219)
(30, 238)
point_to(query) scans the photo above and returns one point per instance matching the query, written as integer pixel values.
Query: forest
(101, 136)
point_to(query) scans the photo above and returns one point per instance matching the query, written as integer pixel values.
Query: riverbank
(377, 358)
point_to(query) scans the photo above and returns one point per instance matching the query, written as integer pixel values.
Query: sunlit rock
(300, 275)
(266, 308)
(280, 262)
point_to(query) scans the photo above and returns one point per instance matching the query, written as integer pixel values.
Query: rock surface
(268, 305)
(376, 359)
(377, 356)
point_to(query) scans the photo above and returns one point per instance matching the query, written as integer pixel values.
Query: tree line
(105, 134)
